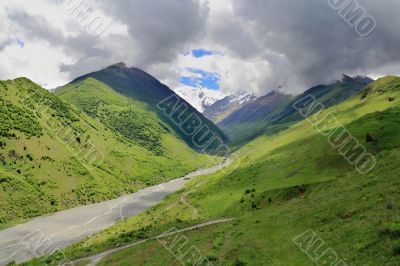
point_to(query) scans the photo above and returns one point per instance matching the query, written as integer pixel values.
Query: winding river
(46, 234)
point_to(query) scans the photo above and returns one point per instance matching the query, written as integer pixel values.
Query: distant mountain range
(275, 110)
(244, 116)
(214, 104)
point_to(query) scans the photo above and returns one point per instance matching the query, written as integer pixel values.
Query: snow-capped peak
(241, 98)
(199, 98)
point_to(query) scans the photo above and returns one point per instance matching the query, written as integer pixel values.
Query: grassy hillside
(54, 156)
(287, 183)
(142, 87)
(275, 112)
(327, 95)
(130, 118)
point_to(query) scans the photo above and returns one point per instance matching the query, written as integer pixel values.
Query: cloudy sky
(225, 45)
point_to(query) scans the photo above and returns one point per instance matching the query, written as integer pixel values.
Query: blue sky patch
(201, 78)
(201, 52)
(20, 43)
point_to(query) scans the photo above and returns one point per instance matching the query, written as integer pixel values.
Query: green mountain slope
(142, 87)
(275, 111)
(130, 118)
(327, 95)
(245, 123)
(54, 156)
(286, 185)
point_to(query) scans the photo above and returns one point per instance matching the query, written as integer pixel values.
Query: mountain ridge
(254, 119)
(141, 86)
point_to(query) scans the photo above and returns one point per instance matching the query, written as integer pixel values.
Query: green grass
(286, 184)
(15, 118)
(131, 119)
(47, 147)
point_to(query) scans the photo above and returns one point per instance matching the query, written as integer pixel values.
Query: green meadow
(61, 152)
(286, 184)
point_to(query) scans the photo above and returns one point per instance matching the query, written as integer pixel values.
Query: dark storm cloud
(35, 28)
(300, 42)
(161, 28)
(231, 33)
(5, 43)
(316, 42)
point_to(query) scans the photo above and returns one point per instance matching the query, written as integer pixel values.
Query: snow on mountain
(199, 98)
(242, 98)
(227, 105)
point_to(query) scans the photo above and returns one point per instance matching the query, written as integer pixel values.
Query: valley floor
(66, 227)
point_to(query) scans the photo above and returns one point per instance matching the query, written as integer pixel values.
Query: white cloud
(262, 45)
(235, 74)
(38, 61)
